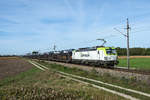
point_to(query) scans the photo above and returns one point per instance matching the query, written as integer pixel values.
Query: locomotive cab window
(111, 51)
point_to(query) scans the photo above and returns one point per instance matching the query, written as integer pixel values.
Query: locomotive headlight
(105, 58)
(108, 58)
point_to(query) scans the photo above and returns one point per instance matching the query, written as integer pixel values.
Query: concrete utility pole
(128, 51)
(127, 36)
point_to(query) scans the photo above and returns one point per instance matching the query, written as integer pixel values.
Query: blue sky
(27, 25)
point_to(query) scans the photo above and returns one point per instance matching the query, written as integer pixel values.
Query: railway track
(138, 71)
(122, 69)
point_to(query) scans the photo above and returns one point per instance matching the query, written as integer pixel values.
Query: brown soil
(134, 57)
(10, 66)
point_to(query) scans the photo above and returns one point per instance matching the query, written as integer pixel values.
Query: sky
(29, 25)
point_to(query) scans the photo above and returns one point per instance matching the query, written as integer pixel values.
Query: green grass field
(138, 63)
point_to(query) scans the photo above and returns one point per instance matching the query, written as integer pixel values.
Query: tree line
(133, 51)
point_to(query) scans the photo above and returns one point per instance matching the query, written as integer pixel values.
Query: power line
(140, 15)
(120, 32)
(139, 31)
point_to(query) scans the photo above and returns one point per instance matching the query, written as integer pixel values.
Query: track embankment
(139, 77)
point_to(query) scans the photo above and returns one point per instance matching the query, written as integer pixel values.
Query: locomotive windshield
(110, 51)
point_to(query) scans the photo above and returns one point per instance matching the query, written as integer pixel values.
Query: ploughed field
(10, 66)
(121, 57)
(138, 62)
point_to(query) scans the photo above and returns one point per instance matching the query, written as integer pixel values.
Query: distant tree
(133, 51)
(147, 51)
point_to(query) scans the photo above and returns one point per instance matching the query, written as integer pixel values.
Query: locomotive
(100, 56)
(97, 56)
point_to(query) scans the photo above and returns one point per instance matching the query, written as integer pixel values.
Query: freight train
(97, 56)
